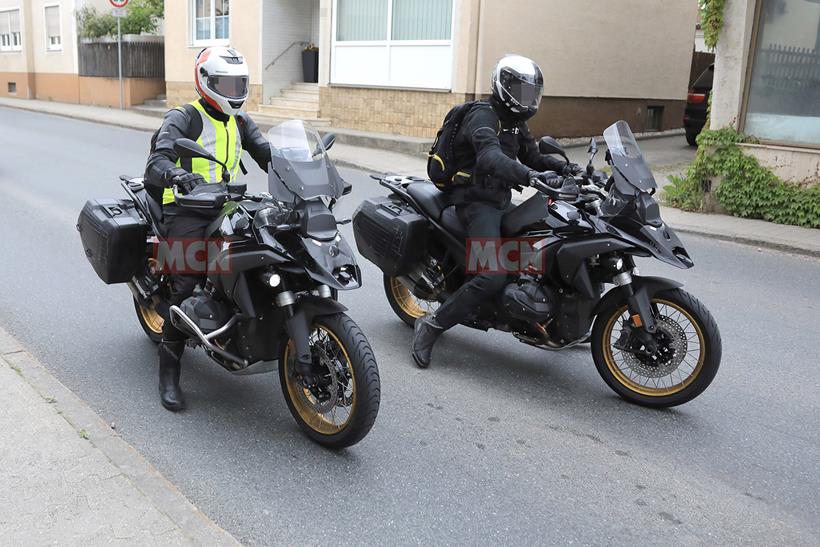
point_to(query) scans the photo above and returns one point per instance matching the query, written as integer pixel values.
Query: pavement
(496, 443)
(69, 479)
(668, 154)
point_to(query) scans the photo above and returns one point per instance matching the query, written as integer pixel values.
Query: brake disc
(672, 347)
(326, 405)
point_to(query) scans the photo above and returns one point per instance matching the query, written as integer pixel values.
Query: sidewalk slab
(743, 230)
(68, 478)
(99, 114)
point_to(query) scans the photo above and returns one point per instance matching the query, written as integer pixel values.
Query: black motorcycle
(653, 343)
(275, 264)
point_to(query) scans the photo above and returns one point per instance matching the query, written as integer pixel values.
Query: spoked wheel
(341, 409)
(404, 303)
(683, 364)
(150, 321)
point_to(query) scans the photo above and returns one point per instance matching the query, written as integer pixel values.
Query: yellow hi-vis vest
(219, 138)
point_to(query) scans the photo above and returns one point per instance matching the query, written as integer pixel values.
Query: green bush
(747, 189)
(143, 16)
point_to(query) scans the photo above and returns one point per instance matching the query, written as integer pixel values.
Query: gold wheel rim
(650, 391)
(300, 397)
(152, 319)
(405, 299)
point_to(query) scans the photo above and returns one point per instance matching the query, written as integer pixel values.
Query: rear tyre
(687, 360)
(405, 304)
(150, 321)
(343, 411)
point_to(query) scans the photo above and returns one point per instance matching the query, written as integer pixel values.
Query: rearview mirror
(347, 188)
(593, 147)
(548, 145)
(328, 140)
(186, 148)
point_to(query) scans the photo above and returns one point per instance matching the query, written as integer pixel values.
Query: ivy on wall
(747, 189)
(711, 20)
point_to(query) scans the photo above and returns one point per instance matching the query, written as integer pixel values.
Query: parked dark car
(694, 117)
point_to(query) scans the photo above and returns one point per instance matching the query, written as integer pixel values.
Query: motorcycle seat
(432, 200)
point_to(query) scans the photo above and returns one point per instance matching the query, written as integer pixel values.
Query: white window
(10, 38)
(393, 43)
(54, 37)
(210, 21)
(783, 98)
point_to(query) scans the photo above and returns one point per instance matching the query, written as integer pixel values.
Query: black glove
(572, 169)
(184, 181)
(550, 178)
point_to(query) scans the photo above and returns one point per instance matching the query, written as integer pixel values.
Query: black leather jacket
(489, 145)
(177, 124)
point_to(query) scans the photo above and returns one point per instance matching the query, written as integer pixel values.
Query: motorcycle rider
(493, 137)
(215, 122)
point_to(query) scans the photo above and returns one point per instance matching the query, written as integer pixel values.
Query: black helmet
(518, 85)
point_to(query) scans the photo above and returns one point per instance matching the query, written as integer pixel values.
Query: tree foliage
(143, 16)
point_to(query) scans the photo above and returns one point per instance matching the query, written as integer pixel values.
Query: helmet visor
(231, 87)
(526, 94)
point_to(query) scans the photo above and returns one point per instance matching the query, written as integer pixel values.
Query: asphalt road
(496, 443)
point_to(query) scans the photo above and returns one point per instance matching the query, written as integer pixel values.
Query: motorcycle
(652, 342)
(268, 301)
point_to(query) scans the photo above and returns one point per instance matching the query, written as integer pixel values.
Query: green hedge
(747, 189)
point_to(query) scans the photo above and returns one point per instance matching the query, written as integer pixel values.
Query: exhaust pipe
(184, 323)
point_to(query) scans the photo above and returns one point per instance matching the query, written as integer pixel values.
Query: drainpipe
(479, 42)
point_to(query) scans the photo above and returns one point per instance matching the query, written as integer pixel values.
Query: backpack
(442, 165)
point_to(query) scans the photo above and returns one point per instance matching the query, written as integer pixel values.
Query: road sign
(119, 12)
(119, 3)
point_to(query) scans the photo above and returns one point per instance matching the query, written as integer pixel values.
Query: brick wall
(184, 92)
(409, 113)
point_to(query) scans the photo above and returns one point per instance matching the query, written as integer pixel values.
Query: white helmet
(221, 76)
(518, 85)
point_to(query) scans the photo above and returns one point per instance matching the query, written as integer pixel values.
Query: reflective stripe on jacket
(222, 140)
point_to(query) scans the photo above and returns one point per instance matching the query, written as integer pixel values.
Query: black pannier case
(390, 234)
(113, 236)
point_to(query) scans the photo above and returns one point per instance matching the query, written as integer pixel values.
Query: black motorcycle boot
(170, 367)
(427, 331)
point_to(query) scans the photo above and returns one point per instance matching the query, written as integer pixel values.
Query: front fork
(641, 315)
(297, 325)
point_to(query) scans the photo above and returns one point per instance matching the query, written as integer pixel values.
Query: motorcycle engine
(207, 313)
(527, 300)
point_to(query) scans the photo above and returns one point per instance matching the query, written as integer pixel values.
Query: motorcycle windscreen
(301, 164)
(631, 170)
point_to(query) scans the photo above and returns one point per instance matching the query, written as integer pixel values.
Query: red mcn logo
(192, 256)
(505, 255)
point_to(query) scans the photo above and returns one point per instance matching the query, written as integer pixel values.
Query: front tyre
(685, 363)
(342, 409)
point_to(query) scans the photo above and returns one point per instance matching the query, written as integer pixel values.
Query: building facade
(397, 66)
(767, 83)
(40, 56)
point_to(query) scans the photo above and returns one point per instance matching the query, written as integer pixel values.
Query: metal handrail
(300, 43)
